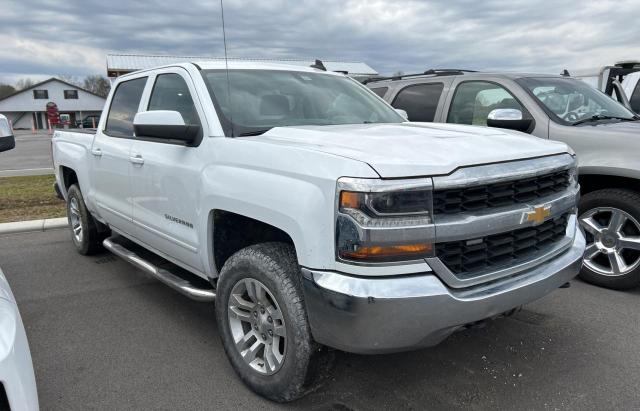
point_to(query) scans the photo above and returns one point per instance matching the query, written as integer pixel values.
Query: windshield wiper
(254, 132)
(599, 117)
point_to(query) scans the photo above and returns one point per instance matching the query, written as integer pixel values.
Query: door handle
(96, 152)
(137, 159)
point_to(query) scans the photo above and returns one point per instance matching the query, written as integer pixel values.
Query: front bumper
(377, 315)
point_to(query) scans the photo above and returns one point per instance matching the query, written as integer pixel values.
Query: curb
(33, 225)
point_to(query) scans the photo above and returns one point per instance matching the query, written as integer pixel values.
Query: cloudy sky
(45, 38)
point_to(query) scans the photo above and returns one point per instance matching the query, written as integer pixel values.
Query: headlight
(384, 221)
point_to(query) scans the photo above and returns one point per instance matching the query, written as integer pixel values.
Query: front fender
(296, 196)
(302, 209)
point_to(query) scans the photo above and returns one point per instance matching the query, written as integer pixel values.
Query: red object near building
(53, 116)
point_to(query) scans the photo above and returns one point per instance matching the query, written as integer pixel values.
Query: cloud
(43, 38)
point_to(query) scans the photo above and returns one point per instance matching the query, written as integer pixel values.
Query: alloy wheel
(76, 222)
(613, 241)
(257, 325)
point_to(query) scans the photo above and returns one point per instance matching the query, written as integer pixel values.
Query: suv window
(380, 91)
(420, 101)
(635, 98)
(170, 92)
(124, 106)
(474, 100)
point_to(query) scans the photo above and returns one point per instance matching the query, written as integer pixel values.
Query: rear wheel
(263, 323)
(611, 220)
(84, 229)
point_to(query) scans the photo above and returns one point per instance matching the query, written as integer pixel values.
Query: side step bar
(177, 283)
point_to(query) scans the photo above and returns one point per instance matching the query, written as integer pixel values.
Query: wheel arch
(594, 182)
(68, 177)
(230, 232)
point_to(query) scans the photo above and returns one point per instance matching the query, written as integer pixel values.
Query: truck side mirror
(508, 118)
(164, 124)
(7, 140)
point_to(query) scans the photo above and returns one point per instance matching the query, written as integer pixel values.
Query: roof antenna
(317, 65)
(565, 73)
(226, 64)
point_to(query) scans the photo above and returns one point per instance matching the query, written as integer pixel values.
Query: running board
(177, 283)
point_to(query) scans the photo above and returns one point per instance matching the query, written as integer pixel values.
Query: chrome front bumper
(377, 315)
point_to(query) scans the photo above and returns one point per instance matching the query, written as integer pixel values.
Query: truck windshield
(257, 100)
(573, 102)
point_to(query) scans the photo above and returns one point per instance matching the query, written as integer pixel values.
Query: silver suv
(604, 134)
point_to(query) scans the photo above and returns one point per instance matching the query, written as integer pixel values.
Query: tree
(71, 79)
(6, 90)
(24, 83)
(97, 84)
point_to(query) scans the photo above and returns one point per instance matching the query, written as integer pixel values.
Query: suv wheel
(263, 323)
(611, 220)
(84, 228)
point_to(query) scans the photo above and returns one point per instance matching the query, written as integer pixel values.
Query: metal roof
(133, 62)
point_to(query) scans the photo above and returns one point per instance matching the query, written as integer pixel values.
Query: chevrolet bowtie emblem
(538, 215)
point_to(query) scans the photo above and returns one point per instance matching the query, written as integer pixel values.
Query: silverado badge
(538, 215)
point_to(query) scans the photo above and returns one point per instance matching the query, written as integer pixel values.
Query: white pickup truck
(314, 214)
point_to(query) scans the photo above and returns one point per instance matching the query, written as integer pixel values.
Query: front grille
(449, 201)
(466, 257)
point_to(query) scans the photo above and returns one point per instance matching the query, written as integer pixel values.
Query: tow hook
(565, 285)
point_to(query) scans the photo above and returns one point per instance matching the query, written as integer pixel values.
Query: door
(473, 100)
(110, 153)
(166, 175)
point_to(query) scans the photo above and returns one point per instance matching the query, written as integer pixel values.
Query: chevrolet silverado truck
(603, 133)
(314, 214)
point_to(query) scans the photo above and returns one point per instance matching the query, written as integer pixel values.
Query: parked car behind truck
(314, 215)
(603, 133)
(7, 140)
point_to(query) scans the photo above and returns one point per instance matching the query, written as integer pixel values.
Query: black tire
(305, 362)
(91, 241)
(627, 201)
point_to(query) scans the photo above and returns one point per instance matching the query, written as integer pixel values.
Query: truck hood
(415, 149)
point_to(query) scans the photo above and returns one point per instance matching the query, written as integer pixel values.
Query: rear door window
(420, 101)
(124, 107)
(474, 100)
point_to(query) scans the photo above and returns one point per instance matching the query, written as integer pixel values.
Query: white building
(28, 107)
(119, 64)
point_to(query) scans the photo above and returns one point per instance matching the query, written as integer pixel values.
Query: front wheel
(611, 220)
(263, 323)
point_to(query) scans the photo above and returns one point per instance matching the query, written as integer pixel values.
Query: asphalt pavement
(105, 336)
(32, 155)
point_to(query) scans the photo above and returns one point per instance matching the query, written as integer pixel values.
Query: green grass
(29, 198)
